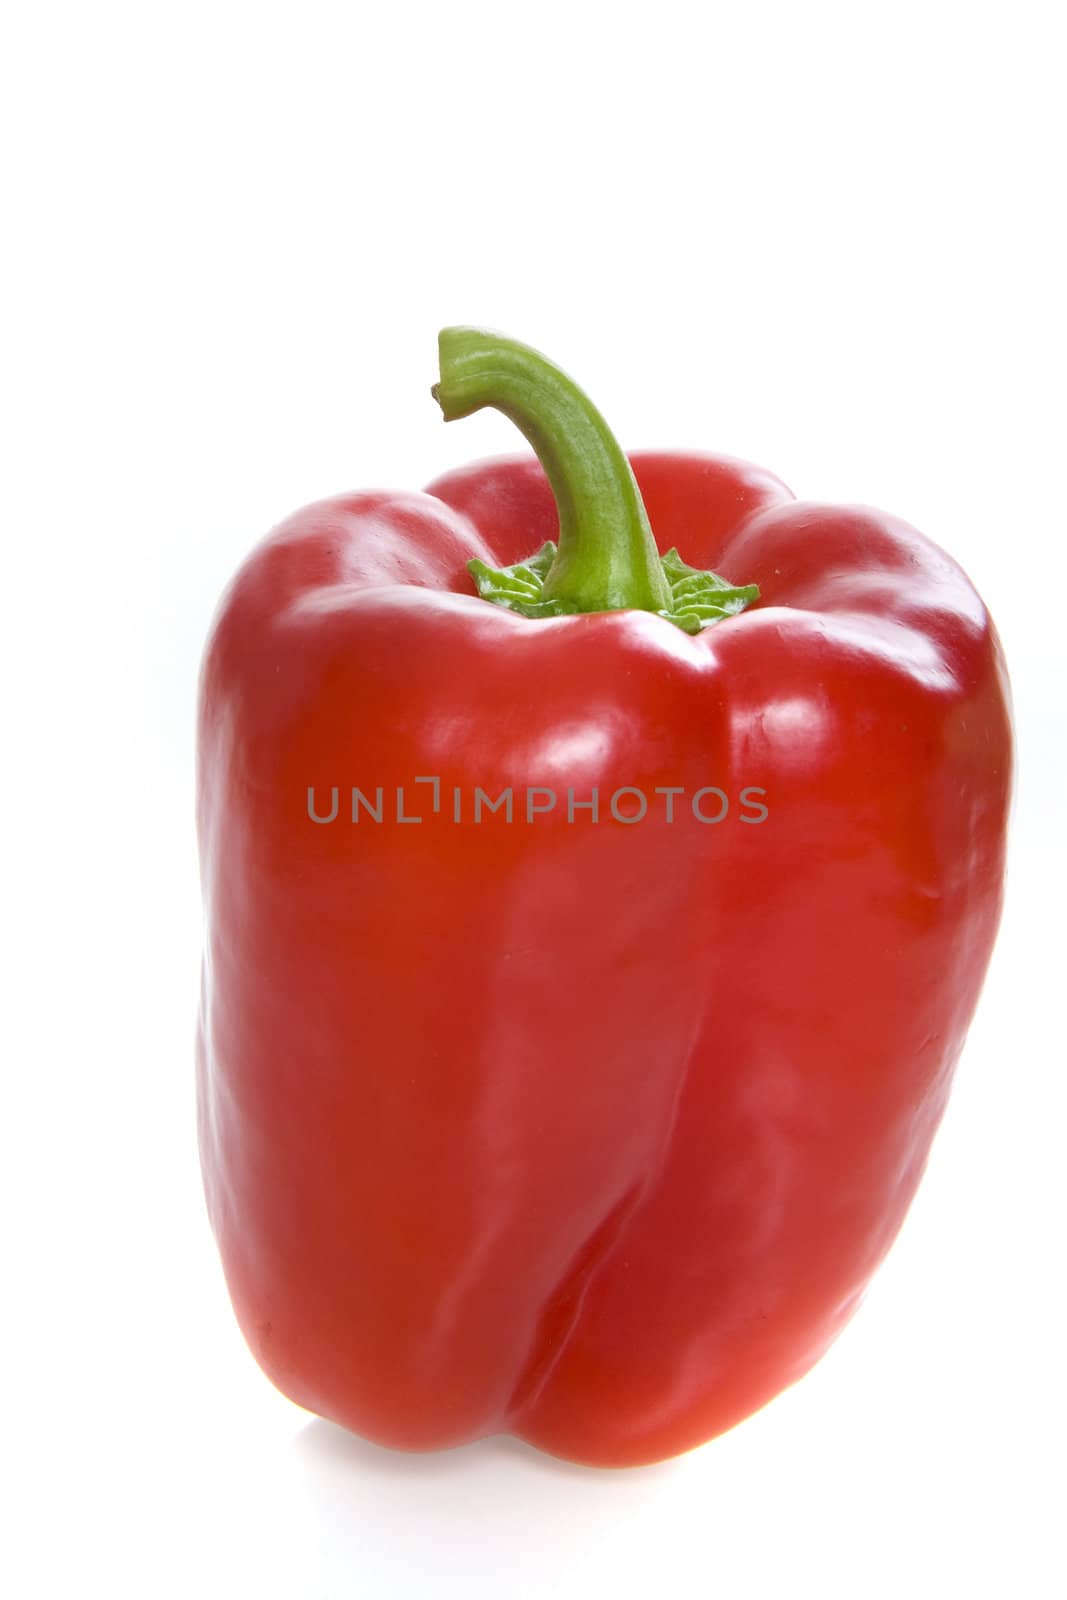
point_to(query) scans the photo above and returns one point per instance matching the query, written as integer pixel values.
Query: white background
(826, 237)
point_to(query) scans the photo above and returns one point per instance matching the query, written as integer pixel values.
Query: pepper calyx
(698, 598)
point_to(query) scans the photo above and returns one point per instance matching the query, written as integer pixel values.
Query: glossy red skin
(591, 1133)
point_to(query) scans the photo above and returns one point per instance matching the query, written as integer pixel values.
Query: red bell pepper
(587, 956)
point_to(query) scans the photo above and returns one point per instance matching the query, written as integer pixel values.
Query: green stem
(607, 558)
